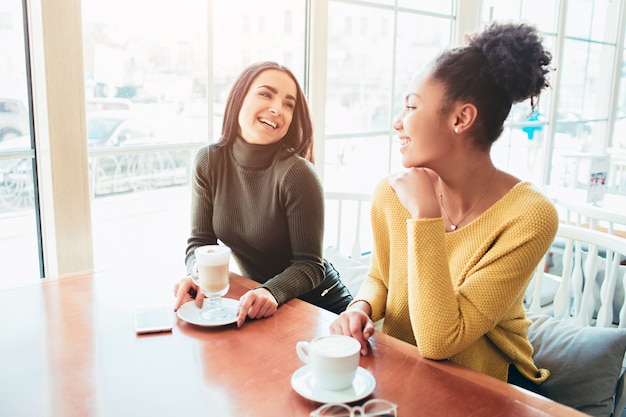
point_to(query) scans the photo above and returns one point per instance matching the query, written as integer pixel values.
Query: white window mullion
(318, 38)
(468, 18)
(616, 76)
(60, 129)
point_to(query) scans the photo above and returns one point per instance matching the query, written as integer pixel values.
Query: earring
(456, 130)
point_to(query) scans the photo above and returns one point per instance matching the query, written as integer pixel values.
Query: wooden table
(68, 348)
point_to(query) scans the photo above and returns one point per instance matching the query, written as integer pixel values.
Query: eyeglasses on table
(371, 408)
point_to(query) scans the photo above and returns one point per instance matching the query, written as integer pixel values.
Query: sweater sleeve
(202, 232)
(374, 289)
(501, 263)
(302, 199)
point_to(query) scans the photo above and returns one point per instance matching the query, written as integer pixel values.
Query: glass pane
(146, 101)
(581, 121)
(617, 169)
(593, 19)
(248, 31)
(420, 40)
(441, 6)
(356, 163)
(19, 241)
(377, 2)
(584, 92)
(520, 149)
(358, 87)
(617, 150)
(541, 13)
(500, 10)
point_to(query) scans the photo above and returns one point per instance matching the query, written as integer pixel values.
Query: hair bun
(516, 58)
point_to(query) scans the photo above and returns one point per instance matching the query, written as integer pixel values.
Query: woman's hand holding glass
(355, 322)
(185, 290)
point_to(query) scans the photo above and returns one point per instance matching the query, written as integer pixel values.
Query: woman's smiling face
(421, 123)
(267, 109)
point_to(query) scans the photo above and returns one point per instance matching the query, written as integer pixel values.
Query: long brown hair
(299, 136)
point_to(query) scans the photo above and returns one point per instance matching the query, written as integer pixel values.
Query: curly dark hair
(299, 136)
(505, 63)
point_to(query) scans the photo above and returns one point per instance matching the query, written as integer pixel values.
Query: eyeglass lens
(372, 408)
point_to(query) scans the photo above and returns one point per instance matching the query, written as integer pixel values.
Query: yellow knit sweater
(459, 295)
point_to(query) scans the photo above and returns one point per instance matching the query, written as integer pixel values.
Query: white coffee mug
(333, 359)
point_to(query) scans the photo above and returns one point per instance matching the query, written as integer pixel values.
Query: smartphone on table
(153, 318)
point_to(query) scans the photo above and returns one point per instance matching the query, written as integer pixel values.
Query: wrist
(361, 305)
(268, 291)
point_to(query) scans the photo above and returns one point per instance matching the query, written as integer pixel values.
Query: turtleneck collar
(253, 155)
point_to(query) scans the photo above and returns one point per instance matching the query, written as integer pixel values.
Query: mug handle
(302, 349)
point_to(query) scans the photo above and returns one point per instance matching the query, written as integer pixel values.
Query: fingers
(256, 304)
(354, 323)
(199, 299)
(181, 294)
(244, 305)
(368, 331)
(184, 291)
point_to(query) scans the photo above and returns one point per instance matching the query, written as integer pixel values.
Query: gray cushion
(585, 363)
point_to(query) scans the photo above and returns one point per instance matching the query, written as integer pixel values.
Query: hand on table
(256, 304)
(357, 323)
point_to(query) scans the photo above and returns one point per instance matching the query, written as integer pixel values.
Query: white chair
(589, 294)
(590, 259)
(348, 225)
(595, 218)
(348, 236)
(610, 220)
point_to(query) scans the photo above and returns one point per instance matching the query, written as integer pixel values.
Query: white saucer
(303, 382)
(191, 313)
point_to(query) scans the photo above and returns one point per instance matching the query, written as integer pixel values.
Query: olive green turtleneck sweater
(265, 203)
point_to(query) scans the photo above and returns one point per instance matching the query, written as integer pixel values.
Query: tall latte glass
(210, 273)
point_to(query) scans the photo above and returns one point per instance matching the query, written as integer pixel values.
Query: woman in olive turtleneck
(256, 190)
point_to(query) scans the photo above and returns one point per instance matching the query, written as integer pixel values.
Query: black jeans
(516, 378)
(331, 294)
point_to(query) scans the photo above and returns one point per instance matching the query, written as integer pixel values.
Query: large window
(155, 85)
(134, 97)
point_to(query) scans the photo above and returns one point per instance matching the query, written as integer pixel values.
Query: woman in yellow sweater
(456, 240)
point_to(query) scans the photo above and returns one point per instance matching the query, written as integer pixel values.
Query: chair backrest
(589, 280)
(347, 223)
(595, 218)
(586, 288)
